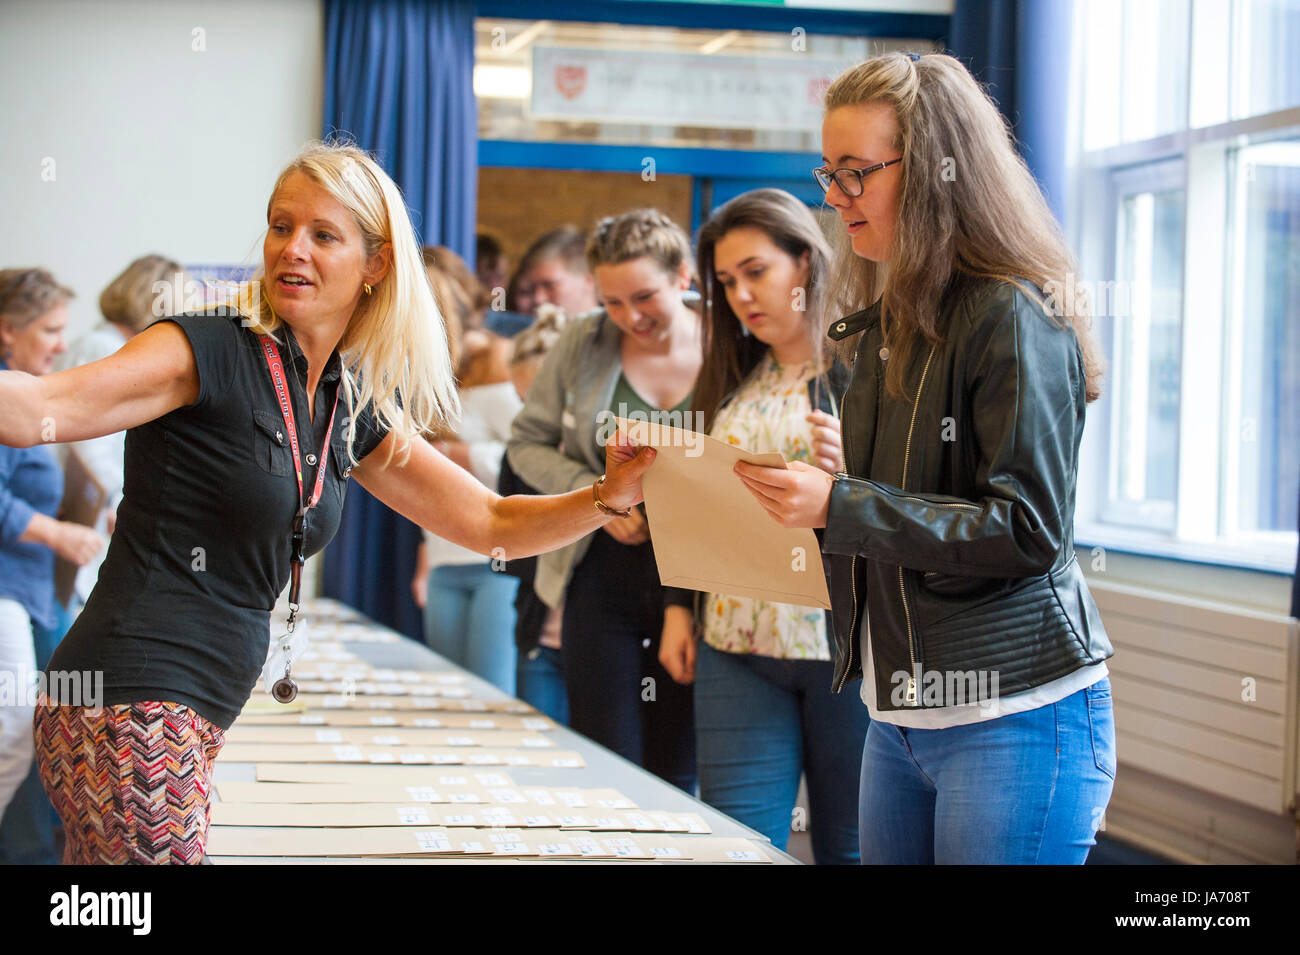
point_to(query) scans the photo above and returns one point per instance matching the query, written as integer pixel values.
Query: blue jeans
(539, 682)
(470, 619)
(1029, 788)
(760, 724)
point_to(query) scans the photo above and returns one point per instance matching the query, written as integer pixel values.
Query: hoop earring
(366, 286)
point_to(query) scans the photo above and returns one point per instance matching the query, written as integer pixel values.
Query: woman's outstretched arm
(441, 497)
(152, 374)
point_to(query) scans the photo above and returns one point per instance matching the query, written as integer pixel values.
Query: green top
(626, 401)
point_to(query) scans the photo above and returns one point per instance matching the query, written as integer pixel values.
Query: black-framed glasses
(847, 178)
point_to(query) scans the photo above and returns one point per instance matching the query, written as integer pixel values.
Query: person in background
(554, 271)
(491, 264)
(539, 675)
(957, 595)
(764, 712)
(33, 316)
(468, 604)
(639, 355)
(127, 306)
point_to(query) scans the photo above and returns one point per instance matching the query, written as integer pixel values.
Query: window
(1185, 212)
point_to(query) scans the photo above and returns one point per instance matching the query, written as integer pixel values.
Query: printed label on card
(412, 758)
(536, 723)
(329, 736)
(743, 855)
(483, 724)
(347, 754)
(428, 722)
(566, 762)
(506, 795)
(459, 819)
(311, 720)
(383, 721)
(382, 758)
(432, 842)
(386, 740)
(412, 815)
(423, 794)
(461, 741)
(665, 852)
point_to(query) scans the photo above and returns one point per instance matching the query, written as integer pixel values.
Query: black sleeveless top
(201, 550)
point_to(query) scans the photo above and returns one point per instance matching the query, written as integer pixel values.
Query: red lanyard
(276, 367)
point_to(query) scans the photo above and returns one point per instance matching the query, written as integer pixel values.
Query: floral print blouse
(768, 413)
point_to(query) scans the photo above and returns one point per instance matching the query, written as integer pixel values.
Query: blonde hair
(128, 299)
(395, 355)
(539, 337)
(968, 205)
(640, 232)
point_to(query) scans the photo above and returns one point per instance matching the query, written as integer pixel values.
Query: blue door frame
(717, 174)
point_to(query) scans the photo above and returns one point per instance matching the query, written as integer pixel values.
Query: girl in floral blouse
(764, 711)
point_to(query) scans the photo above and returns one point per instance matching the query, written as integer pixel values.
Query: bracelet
(601, 505)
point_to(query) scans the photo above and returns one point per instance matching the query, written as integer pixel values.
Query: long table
(602, 770)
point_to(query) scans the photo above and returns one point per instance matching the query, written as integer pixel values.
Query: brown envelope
(708, 531)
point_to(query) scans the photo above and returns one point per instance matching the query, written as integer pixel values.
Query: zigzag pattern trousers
(131, 782)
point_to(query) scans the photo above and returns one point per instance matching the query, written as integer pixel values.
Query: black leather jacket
(953, 528)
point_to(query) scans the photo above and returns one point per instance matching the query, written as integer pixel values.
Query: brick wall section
(520, 204)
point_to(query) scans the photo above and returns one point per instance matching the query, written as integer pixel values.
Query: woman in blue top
(33, 315)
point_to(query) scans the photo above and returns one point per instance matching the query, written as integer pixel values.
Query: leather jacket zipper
(910, 699)
(853, 564)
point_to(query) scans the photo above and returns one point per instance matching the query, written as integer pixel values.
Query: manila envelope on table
(708, 531)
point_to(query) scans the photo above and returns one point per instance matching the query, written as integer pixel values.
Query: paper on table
(708, 531)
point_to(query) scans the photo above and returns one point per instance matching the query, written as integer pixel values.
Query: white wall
(157, 147)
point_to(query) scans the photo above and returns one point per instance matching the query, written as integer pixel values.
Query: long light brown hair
(968, 206)
(730, 354)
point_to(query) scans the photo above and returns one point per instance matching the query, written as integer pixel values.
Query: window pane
(1268, 425)
(1244, 59)
(1267, 68)
(1147, 348)
(1135, 54)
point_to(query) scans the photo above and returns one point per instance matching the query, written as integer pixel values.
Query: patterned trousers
(131, 782)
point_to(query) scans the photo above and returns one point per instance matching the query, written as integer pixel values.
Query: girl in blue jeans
(956, 595)
(764, 711)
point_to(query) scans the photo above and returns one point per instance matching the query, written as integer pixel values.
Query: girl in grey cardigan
(640, 355)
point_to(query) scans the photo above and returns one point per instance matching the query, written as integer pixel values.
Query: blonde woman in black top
(243, 430)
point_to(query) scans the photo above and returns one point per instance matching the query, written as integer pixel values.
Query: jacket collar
(857, 322)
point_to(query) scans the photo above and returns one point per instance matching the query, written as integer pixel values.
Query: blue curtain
(1020, 49)
(399, 79)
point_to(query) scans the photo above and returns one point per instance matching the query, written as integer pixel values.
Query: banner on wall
(679, 89)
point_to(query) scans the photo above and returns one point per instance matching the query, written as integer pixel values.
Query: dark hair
(488, 249)
(729, 354)
(568, 243)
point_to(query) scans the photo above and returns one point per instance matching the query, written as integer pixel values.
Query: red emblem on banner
(570, 80)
